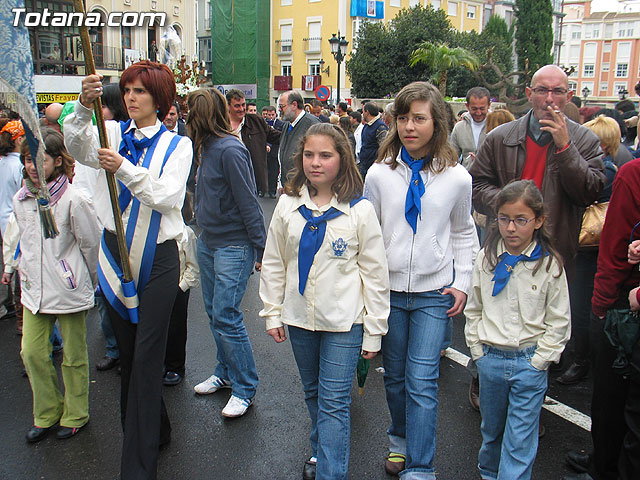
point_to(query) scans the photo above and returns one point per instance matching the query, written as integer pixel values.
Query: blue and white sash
(141, 236)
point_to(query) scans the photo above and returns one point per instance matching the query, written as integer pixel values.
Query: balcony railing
(283, 47)
(312, 44)
(107, 58)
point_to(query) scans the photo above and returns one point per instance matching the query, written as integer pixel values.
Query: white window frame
(588, 70)
(471, 11)
(618, 70)
(452, 6)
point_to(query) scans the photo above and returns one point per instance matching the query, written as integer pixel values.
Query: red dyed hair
(157, 78)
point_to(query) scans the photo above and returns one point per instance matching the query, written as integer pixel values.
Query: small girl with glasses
(518, 323)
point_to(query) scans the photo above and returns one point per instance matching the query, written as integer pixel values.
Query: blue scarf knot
(413, 203)
(131, 148)
(507, 263)
(311, 240)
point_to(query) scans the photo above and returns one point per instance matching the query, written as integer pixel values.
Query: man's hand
(368, 355)
(6, 278)
(556, 126)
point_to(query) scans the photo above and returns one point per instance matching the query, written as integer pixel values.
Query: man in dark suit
(255, 134)
(297, 122)
(173, 122)
(273, 167)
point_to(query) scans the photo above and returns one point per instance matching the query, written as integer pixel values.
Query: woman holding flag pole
(151, 166)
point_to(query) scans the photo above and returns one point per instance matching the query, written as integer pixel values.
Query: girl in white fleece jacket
(422, 197)
(58, 277)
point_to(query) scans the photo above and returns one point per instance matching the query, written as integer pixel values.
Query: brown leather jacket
(572, 180)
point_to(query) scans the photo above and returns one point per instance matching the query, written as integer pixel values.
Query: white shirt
(358, 136)
(295, 122)
(189, 269)
(345, 286)
(530, 310)
(477, 128)
(164, 194)
(10, 183)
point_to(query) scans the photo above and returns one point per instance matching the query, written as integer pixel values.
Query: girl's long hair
(208, 116)
(54, 147)
(443, 154)
(528, 193)
(347, 185)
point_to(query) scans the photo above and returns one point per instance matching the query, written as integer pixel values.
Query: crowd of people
(388, 223)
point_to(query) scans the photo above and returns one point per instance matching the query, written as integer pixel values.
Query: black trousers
(581, 292)
(176, 352)
(142, 347)
(273, 169)
(615, 414)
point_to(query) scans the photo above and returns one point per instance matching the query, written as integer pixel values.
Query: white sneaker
(236, 407)
(211, 385)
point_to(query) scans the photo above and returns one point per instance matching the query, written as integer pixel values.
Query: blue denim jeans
(327, 364)
(224, 273)
(107, 330)
(411, 355)
(511, 396)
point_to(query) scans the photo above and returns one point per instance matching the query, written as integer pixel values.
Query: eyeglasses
(544, 91)
(281, 107)
(418, 119)
(518, 222)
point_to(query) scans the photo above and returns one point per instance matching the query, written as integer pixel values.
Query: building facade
(57, 51)
(604, 50)
(301, 29)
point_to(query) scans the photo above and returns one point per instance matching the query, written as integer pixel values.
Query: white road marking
(554, 406)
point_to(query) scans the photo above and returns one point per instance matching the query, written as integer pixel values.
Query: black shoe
(67, 432)
(578, 460)
(171, 378)
(579, 476)
(261, 194)
(309, 471)
(35, 434)
(11, 313)
(574, 374)
(106, 363)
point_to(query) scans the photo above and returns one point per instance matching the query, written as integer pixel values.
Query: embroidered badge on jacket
(339, 246)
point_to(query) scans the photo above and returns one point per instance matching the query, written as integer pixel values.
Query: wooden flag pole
(104, 143)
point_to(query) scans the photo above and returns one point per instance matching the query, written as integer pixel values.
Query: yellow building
(301, 30)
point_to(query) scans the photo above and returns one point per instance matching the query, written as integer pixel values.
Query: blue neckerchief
(131, 148)
(413, 203)
(311, 239)
(507, 263)
(290, 128)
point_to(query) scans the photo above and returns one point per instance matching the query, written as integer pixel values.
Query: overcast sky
(608, 6)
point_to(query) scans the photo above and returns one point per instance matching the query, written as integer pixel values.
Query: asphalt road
(271, 440)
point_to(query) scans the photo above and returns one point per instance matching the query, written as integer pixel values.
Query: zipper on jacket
(413, 239)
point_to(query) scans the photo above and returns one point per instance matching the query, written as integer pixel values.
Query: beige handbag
(592, 223)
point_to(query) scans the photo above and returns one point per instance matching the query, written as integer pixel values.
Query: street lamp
(585, 93)
(322, 69)
(339, 51)
(624, 93)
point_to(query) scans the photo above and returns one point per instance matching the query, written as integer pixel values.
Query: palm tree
(441, 58)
